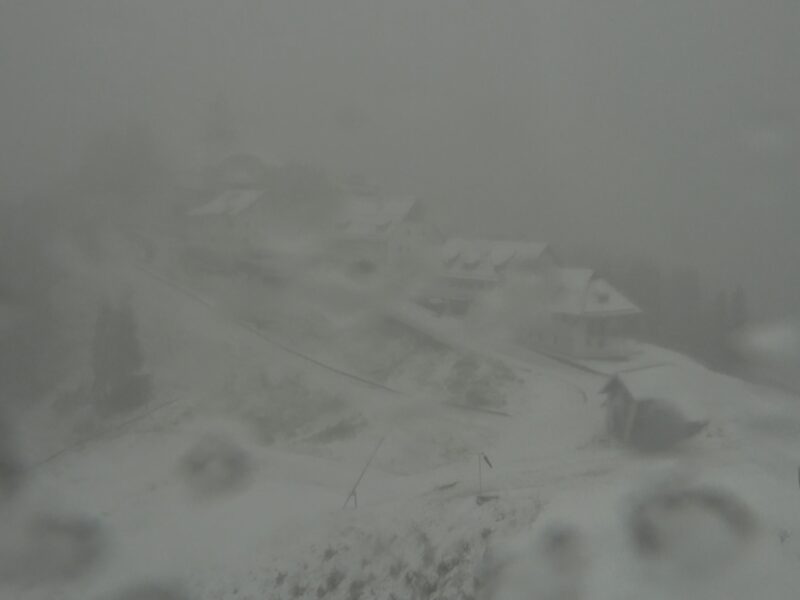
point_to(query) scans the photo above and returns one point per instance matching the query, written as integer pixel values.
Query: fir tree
(119, 382)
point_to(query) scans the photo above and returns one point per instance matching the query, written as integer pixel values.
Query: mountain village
(272, 395)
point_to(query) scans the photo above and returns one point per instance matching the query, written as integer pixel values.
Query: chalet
(469, 267)
(232, 220)
(231, 208)
(561, 311)
(584, 317)
(378, 232)
(653, 408)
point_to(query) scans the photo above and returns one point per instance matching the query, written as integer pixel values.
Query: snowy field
(298, 435)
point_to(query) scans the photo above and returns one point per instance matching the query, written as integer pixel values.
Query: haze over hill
(368, 299)
(669, 129)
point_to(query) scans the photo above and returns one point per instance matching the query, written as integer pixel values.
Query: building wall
(552, 333)
(411, 242)
(362, 251)
(578, 337)
(619, 405)
(588, 340)
(545, 263)
(597, 338)
(242, 232)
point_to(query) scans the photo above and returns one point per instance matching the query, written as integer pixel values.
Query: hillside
(285, 435)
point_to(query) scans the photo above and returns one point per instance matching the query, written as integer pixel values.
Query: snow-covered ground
(424, 526)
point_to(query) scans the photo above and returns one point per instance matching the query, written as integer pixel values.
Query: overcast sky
(669, 127)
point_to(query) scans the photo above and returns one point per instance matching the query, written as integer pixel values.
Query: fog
(669, 129)
(360, 299)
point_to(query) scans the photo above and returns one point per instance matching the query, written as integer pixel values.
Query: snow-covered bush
(414, 553)
(215, 465)
(290, 408)
(479, 383)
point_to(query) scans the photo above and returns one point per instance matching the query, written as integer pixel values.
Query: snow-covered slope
(426, 526)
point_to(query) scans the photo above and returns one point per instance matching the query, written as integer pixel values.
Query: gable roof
(486, 259)
(681, 387)
(369, 217)
(230, 203)
(581, 292)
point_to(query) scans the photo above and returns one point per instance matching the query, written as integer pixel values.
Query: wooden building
(650, 410)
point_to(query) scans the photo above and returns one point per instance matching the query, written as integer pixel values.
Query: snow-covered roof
(581, 292)
(369, 217)
(485, 259)
(230, 202)
(442, 290)
(683, 387)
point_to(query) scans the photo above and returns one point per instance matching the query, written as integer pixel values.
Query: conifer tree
(117, 360)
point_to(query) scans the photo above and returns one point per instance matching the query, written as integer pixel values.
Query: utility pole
(481, 458)
(353, 493)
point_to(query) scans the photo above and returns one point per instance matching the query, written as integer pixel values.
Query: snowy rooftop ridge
(483, 258)
(684, 388)
(580, 291)
(365, 216)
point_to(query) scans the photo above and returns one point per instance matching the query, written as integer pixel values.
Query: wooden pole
(352, 493)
